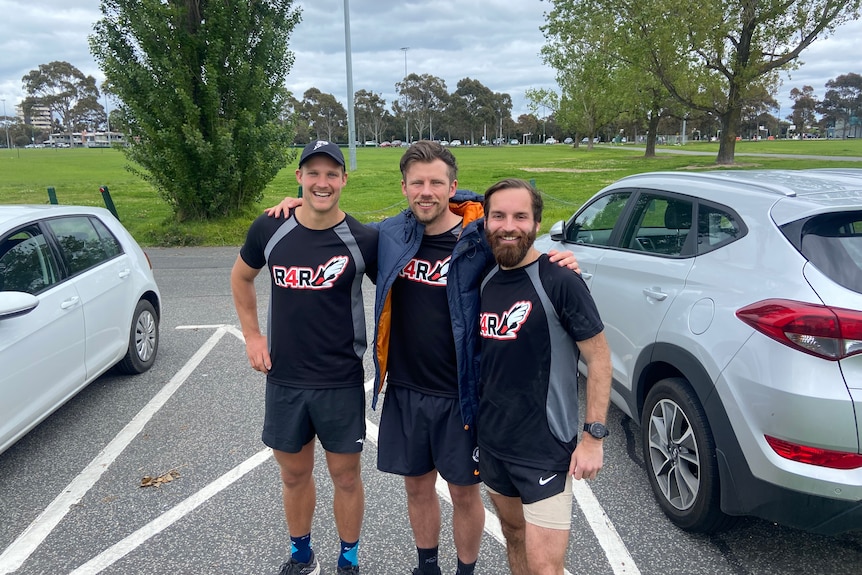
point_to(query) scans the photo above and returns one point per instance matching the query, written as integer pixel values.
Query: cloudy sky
(494, 41)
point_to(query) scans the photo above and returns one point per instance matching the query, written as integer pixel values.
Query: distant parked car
(732, 304)
(455, 143)
(551, 140)
(513, 142)
(77, 296)
(568, 141)
(444, 142)
(396, 143)
(385, 144)
(370, 143)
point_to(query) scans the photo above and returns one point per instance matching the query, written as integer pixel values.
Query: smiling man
(312, 353)
(536, 321)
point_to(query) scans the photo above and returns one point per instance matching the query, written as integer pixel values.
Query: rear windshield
(833, 243)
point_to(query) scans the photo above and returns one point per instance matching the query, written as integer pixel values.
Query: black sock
(465, 568)
(428, 560)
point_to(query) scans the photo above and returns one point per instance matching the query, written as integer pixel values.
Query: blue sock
(348, 554)
(300, 548)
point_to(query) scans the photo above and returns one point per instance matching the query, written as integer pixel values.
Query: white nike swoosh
(360, 441)
(545, 481)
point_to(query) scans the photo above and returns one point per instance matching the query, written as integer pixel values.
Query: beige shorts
(552, 513)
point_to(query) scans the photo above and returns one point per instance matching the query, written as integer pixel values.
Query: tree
(424, 98)
(72, 97)
(543, 98)
(710, 54)
(200, 90)
(371, 114)
(326, 116)
(592, 62)
(843, 103)
(474, 106)
(804, 108)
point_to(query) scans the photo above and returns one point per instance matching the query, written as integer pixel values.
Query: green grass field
(565, 175)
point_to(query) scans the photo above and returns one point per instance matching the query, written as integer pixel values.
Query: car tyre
(143, 340)
(679, 453)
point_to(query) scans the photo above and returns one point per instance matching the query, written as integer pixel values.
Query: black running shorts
(295, 416)
(527, 483)
(420, 433)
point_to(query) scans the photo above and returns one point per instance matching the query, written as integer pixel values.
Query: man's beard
(510, 255)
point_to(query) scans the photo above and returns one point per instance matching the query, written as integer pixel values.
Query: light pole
(406, 122)
(108, 119)
(6, 123)
(351, 118)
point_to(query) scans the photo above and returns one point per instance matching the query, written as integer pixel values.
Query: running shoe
(294, 567)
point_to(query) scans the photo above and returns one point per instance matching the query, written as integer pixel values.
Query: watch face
(598, 430)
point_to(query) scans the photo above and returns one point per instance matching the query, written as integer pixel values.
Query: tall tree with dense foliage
(200, 85)
(842, 105)
(711, 54)
(424, 97)
(72, 97)
(371, 115)
(325, 115)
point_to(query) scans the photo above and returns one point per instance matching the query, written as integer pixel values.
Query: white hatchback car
(732, 304)
(77, 296)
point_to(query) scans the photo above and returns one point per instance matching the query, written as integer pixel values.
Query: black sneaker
(352, 570)
(294, 567)
(417, 571)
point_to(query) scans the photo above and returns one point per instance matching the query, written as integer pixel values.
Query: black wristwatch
(597, 430)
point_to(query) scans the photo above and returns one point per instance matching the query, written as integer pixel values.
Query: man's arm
(245, 300)
(588, 457)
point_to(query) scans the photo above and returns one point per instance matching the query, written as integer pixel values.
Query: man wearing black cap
(312, 352)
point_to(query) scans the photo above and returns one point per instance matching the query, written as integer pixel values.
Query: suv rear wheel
(679, 452)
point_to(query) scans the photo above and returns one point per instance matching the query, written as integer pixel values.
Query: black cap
(322, 147)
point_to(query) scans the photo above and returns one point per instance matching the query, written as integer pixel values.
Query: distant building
(39, 118)
(87, 140)
(851, 128)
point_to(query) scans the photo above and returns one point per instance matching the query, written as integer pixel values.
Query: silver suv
(731, 302)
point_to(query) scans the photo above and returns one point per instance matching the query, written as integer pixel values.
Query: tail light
(814, 455)
(828, 332)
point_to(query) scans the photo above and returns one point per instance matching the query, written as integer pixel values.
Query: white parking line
(119, 550)
(17, 553)
(36, 533)
(615, 550)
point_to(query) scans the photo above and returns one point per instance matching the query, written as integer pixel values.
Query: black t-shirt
(530, 319)
(316, 321)
(421, 345)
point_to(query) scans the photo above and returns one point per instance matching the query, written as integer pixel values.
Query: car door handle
(586, 276)
(69, 302)
(125, 273)
(654, 293)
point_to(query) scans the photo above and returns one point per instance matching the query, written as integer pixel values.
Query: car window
(833, 243)
(715, 228)
(110, 243)
(80, 243)
(26, 262)
(659, 224)
(595, 223)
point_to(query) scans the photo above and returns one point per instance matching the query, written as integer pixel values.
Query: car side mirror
(556, 231)
(15, 303)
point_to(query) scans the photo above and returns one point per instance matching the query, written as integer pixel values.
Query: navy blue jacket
(398, 241)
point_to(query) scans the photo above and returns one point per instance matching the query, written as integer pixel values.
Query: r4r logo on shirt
(296, 277)
(493, 326)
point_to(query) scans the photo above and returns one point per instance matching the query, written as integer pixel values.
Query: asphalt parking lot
(71, 499)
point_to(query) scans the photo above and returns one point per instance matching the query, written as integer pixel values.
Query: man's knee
(465, 496)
